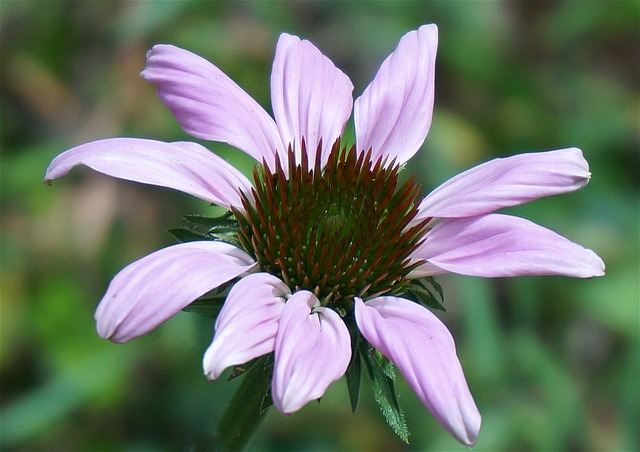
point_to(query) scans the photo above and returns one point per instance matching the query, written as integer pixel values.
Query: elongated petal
(311, 98)
(183, 166)
(423, 349)
(313, 349)
(208, 104)
(247, 324)
(153, 289)
(507, 182)
(393, 115)
(497, 245)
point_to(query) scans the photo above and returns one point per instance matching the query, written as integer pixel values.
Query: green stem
(247, 408)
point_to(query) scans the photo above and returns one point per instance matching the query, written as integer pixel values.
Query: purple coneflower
(327, 239)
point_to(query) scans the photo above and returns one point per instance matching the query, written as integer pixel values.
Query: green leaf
(210, 304)
(214, 226)
(353, 374)
(224, 221)
(242, 369)
(205, 308)
(382, 377)
(385, 364)
(206, 221)
(353, 381)
(425, 291)
(186, 235)
(223, 228)
(247, 408)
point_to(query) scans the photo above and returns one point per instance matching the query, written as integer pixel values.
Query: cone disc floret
(338, 230)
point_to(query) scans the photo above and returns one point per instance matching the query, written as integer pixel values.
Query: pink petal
(311, 98)
(247, 324)
(423, 349)
(153, 289)
(183, 166)
(496, 245)
(208, 104)
(393, 115)
(507, 182)
(313, 349)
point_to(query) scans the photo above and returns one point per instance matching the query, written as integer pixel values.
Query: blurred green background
(552, 362)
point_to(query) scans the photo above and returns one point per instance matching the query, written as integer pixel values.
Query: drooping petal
(424, 351)
(183, 166)
(393, 115)
(313, 349)
(151, 290)
(208, 104)
(507, 182)
(247, 325)
(495, 245)
(311, 98)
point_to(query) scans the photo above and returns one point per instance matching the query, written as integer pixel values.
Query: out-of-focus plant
(553, 364)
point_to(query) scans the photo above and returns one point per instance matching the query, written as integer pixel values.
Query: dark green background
(553, 362)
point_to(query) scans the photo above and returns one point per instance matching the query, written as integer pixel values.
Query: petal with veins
(183, 166)
(496, 245)
(153, 289)
(247, 324)
(311, 98)
(423, 349)
(313, 349)
(393, 115)
(507, 182)
(208, 104)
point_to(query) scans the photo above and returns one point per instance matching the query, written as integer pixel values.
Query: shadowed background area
(552, 362)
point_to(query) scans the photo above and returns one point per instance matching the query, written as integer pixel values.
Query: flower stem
(247, 408)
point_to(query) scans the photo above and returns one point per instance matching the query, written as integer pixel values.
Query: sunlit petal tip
(592, 264)
(208, 104)
(313, 349)
(393, 114)
(311, 97)
(422, 348)
(151, 290)
(505, 182)
(247, 324)
(496, 245)
(184, 166)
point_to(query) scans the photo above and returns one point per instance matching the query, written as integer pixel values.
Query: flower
(327, 241)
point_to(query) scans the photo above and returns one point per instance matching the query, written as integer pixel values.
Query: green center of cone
(339, 231)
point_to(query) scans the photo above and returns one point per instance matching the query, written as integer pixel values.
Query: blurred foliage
(553, 362)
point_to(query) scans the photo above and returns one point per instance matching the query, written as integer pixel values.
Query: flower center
(339, 231)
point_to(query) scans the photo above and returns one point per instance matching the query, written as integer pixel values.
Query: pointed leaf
(222, 229)
(247, 408)
(184, 235)
(353, 374)
(223, 221)
(210, 304)
(422, 348)
(384, 390)
(204, 308)
(353, 378)
(426, 291)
